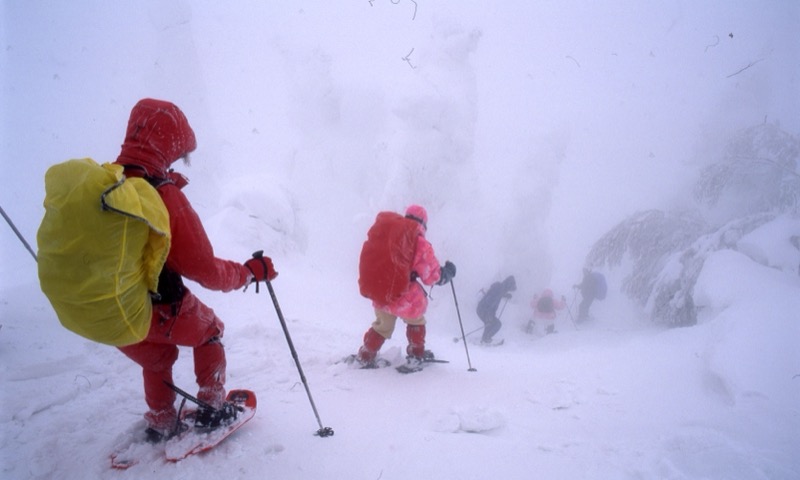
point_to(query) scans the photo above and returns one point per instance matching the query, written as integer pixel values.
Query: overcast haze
(528, 130)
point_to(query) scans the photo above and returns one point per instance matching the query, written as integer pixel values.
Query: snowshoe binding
(207, 419)
(377, 362)
(415, 364)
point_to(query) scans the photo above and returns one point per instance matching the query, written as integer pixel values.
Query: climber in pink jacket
(411, 305)
(545, 308)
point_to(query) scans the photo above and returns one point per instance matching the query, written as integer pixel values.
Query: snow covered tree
(647, 240)
(670, 299)
(757, 173)
(755, 180)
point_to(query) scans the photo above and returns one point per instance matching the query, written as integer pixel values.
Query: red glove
(261, 267)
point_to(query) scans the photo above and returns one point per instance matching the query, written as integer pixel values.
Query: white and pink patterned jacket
(414, 301)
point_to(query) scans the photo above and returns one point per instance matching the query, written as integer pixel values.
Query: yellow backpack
(102, 243)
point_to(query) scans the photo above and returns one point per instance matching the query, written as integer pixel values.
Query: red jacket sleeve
(191, 254)
(425, 263)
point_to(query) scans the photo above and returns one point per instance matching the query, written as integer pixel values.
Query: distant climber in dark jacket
(487, 306)
(590, 290)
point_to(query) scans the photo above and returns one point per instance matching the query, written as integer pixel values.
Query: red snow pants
(189, 323)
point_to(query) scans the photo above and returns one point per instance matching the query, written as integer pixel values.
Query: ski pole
(569, 311)
(456, 339)
(461, 324)
(505, 302)
(19, 235)
(188, 396)
(323, 431)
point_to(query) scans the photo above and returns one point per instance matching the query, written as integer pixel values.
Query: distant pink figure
(545, 308)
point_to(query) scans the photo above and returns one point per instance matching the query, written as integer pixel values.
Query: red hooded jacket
(158, 134)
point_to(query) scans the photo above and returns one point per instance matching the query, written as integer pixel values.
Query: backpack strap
(158, 182)
(132, 170)
(170, 284)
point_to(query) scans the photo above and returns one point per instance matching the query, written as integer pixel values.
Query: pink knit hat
(418, 213)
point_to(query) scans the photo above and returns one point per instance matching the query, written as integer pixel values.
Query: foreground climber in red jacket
(158, 134)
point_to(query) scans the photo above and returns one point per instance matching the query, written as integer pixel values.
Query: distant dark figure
(593, 286)
(795, 240)
(487, 306)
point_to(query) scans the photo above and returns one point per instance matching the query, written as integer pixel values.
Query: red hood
(158, 134)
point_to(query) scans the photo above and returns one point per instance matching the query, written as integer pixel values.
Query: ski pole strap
(476, 330)
(428, 294)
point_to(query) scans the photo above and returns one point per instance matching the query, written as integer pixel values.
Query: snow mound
(252, 214)
(774, 244)
(474, 419)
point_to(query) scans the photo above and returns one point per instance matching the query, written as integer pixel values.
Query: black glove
(447, 272)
